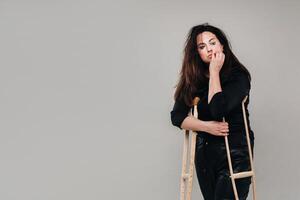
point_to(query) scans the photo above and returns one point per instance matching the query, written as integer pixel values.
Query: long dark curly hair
(193, 71)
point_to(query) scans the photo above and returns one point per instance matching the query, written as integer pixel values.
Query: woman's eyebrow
(208, 41)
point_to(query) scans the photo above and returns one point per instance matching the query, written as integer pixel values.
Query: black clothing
(213, 171)
(211, 160)
(227, 103)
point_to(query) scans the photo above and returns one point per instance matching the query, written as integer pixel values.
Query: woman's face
(207, 44)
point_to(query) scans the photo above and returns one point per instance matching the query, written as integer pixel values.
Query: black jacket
(227, 103)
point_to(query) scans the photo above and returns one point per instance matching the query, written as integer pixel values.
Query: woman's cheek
(202, 56)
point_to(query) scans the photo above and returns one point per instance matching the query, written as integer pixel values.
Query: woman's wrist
(203, 126)
(213, 73)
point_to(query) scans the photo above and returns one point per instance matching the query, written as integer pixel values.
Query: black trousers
(213, 172)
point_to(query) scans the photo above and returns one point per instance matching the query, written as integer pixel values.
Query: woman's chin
(207, 61)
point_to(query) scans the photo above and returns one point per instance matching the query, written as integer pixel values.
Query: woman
(212, 72)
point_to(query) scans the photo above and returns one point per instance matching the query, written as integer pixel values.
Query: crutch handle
(196, 100)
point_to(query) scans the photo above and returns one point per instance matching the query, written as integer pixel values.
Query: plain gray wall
(87, 86)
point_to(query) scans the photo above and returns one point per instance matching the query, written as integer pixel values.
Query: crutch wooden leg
(238, 175)
(188, 158)
(249, 149)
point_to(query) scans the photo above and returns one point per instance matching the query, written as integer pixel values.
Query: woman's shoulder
(237, 70)
(236, 73)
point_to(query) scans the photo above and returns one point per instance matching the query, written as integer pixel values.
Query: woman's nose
(208, 49)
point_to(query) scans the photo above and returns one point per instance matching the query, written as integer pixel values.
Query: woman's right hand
(216, 128)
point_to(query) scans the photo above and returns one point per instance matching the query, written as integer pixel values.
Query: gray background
(87, 86)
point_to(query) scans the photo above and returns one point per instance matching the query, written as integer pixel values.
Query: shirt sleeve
(232, 94)
(179, 113)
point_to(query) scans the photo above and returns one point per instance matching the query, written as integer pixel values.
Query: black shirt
(227, 103)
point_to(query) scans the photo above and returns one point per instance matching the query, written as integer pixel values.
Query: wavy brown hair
(193, 71)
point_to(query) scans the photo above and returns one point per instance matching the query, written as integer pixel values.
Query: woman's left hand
(216, 62)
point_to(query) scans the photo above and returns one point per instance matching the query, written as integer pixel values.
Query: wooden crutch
(244, 174)
(186, 182)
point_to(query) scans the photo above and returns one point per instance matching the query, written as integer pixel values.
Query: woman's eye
(202, 47)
